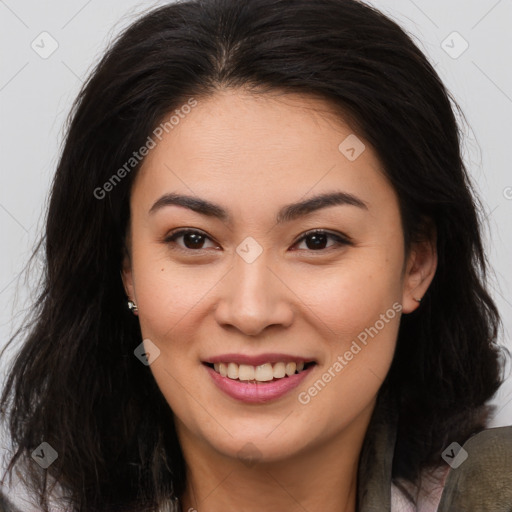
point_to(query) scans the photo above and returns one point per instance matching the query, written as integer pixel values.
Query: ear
(127, 272)
(420, 269)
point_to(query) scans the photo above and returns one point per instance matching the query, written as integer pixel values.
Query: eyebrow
(286, 214)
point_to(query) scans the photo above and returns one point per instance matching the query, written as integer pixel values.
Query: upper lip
(257, 360)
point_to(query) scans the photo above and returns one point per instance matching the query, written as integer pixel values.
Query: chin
(260, 445)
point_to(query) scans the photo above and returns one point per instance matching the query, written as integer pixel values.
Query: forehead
(237, 121)
(261, 147)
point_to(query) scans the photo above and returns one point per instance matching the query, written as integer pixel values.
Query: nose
(253, 297)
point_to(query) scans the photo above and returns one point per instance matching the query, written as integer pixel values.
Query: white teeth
(233, 371)
(262, 373)
(279, 370)
(290, 368)
(246, 372)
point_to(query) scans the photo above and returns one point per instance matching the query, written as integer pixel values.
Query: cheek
(352, 295)
(167, 292)
(357, 361)
(357, 310)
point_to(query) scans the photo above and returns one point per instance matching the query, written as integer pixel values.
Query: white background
(36, 95)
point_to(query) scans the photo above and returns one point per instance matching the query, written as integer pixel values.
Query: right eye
(193, 240)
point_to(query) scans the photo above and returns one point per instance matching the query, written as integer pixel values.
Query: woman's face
(249, 285)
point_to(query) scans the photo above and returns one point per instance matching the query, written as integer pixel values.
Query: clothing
(482, 483)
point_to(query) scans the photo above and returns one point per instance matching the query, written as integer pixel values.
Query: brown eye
(317, 240)
(192, 239)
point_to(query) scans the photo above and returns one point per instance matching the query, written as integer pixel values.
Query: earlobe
(127, 278)
(420, 271)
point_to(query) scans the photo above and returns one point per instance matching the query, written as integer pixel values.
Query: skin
(252, 155)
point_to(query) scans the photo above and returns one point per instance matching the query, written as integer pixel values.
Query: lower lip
(260, 392)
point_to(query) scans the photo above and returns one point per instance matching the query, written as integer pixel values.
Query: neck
(321, 477)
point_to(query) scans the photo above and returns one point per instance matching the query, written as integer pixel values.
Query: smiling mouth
(267, 372)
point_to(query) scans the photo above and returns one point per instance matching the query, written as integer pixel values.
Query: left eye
(318, 239)
(193, 239)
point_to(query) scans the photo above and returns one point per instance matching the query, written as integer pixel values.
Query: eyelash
(340, 240)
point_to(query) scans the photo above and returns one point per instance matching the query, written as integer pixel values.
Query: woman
(265, 281)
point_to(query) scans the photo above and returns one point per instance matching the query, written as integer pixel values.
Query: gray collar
(376, 459)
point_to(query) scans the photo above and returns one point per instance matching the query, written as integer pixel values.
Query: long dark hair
(76, 384)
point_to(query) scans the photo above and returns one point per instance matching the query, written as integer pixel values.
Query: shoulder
(6, 505)
(12, 499)
(480, 477)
